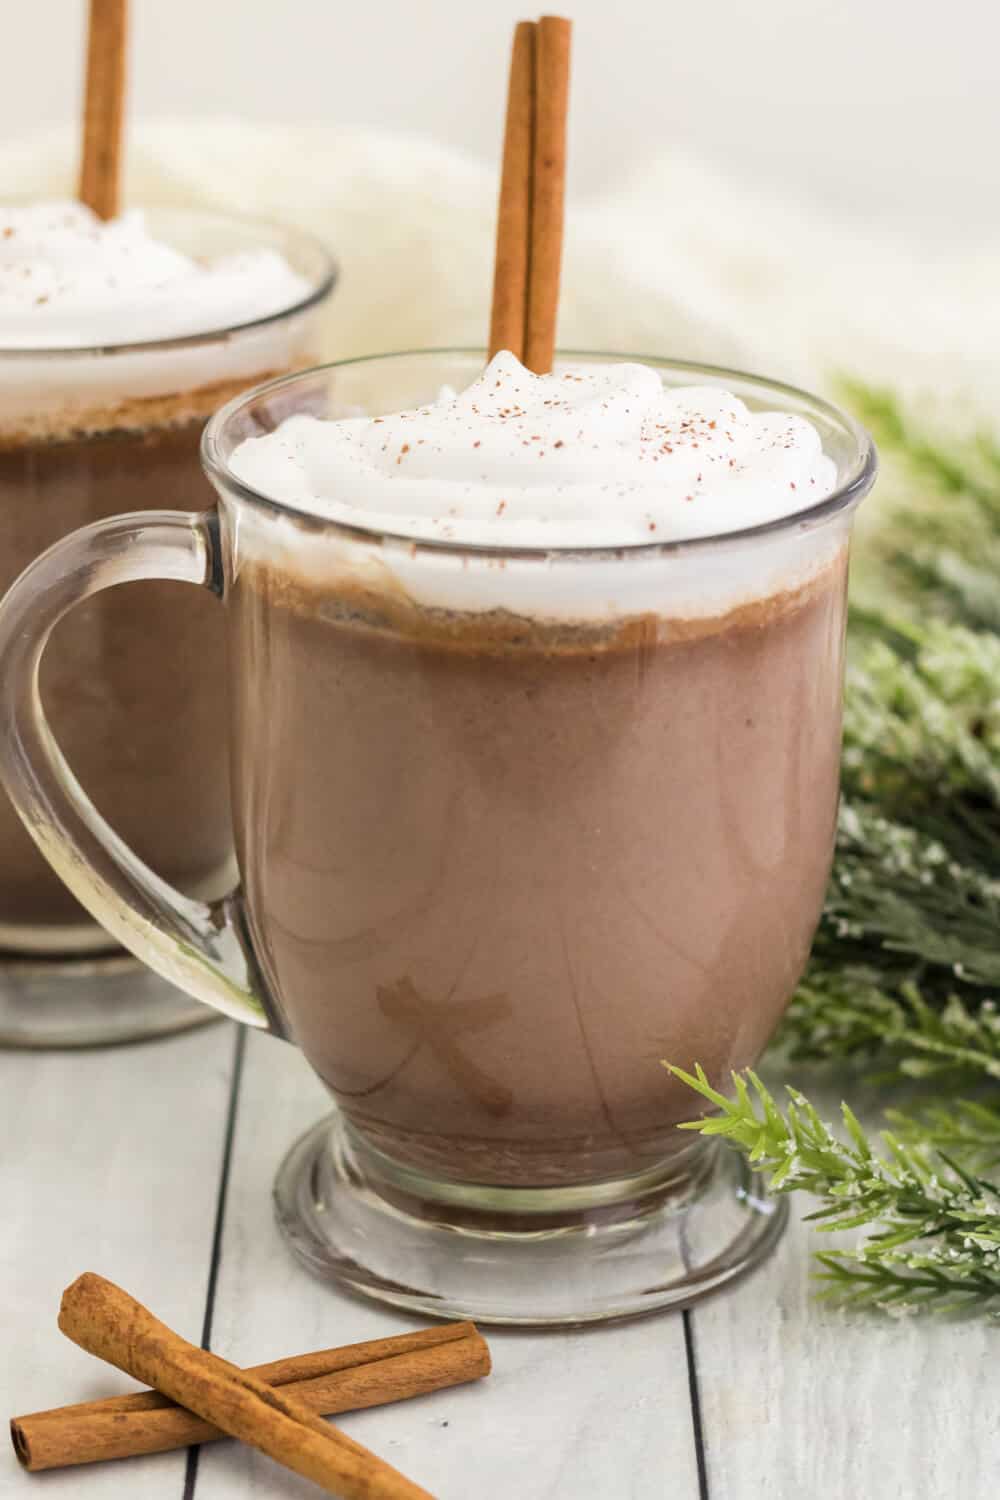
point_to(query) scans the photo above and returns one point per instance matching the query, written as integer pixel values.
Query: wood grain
(569, 1416)
(802, 1399)
(795, 1400)
(77, 1186)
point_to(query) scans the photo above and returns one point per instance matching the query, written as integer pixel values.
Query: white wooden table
(153, 1165)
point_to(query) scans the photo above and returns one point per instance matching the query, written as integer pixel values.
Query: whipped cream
(71, 280)
(591, 456)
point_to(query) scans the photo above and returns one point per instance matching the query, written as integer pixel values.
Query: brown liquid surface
(133, 682)
(497, 872)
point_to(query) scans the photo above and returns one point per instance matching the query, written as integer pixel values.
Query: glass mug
(512, 828)
(135, 683)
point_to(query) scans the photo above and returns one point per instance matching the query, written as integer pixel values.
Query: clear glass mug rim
(857, 482)
(323, 285)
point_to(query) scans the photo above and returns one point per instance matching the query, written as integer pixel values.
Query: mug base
(90, 1002)
(528, 1257)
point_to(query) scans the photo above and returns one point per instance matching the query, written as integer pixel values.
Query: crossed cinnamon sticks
(273, 1407)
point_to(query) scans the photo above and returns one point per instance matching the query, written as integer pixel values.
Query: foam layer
(602, 589)
(593, 456)
(74, 290)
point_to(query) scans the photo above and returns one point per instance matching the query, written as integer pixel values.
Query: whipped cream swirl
(593, 455)
(70, 280)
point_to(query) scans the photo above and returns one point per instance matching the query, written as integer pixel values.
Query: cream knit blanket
(676, 261)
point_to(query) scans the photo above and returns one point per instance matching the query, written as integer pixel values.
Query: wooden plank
(601, 1413)
(801, 1399)
(110, 1162)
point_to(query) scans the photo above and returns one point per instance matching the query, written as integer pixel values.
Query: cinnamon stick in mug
(106, 1321)
(104, 107)
(548, 191)
(327, 1381)
(510, 269)
(528, 261)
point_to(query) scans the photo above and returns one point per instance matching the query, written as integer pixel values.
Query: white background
(885, 108)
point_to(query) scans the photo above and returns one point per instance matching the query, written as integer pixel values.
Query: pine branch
(921, 1285)
(942, 557)
(900, 902)
(969, 469)
(922, 715)
(968, 1130)
(906, 961)
(933, 1228)
(905, 971)
(847, 1015)
(957, 583)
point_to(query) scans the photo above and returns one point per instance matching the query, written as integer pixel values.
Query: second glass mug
(135, 686)
(501, 854)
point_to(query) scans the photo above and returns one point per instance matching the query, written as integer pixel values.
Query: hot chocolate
(134, 684)
(496, 872)
(524, 802)
(512, 831)
(108, 371)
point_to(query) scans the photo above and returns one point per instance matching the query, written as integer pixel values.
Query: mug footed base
(523, 1256)
(90, 1002)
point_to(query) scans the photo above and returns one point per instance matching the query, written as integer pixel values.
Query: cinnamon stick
(528, 263)
(510, 270)
(373, 1373)
(106, 1321)
(548, 190)
(104, 107)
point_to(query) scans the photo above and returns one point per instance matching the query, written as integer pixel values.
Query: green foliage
(922, 714)
(899, 899)
(968, 1129)
(850, 1015)
(904, 979)
(933, 1228)
(940, 545)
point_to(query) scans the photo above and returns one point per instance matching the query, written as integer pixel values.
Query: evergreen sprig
(968, 1129)
(900, 899)
(940, 546)
(904, 980)
(922, 714)
(848, 1015)
(933, 1227)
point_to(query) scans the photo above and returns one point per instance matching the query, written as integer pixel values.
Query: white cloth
(676, 262)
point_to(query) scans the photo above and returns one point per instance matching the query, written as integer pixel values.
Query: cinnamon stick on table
(104, 107)
(106, 1321)
(373, 1373)
(532, 192)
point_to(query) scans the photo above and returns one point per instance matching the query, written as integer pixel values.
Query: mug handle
(198, 947)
